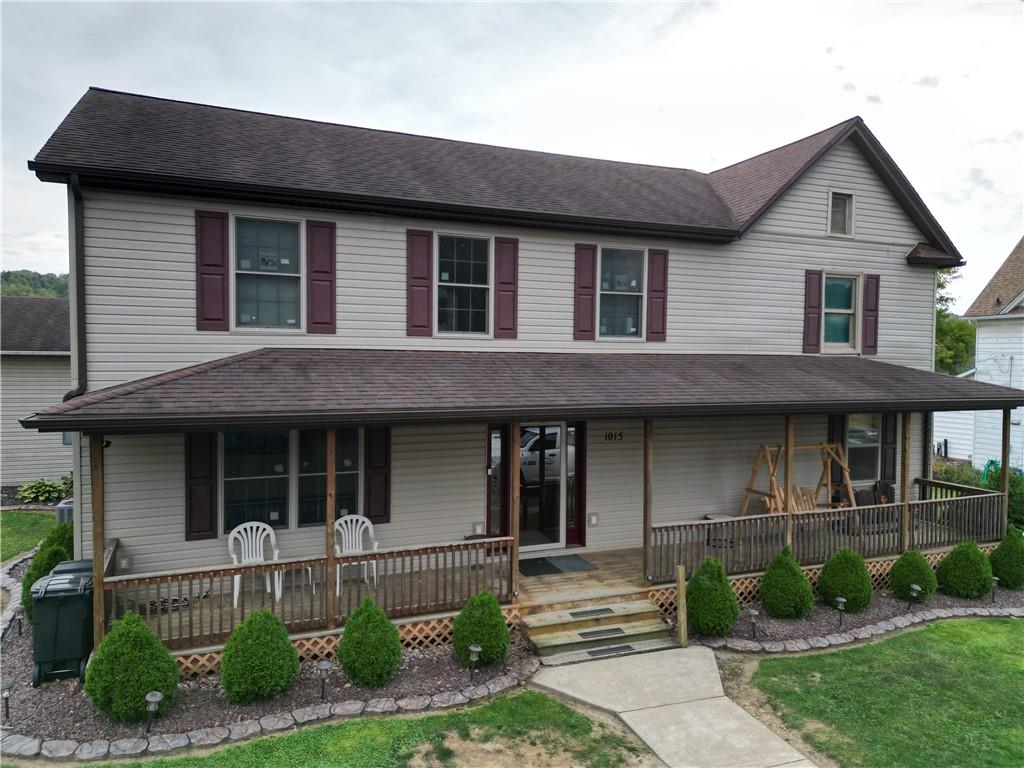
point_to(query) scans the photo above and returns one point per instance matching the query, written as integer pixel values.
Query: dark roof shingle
(1006, 285)
(320, 386)
(29, 324)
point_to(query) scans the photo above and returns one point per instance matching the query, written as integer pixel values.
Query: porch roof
(311, 387)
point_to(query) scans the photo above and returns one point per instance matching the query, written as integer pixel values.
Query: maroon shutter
(377, 474)
(657, 294)
(869, 326)
(419, 291)
(812, 311)
(200, 486)
(586, 292)
(321, 304)
(837, 434)
(506, 280)
(212, 270)
(888, 448)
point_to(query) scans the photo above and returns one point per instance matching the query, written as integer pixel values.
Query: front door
(551, 485)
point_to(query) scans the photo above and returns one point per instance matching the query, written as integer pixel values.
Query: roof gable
(1004, 294)
(37, 325)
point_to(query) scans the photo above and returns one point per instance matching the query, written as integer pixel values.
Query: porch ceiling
(310, 387)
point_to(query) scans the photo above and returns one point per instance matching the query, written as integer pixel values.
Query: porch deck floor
(617, 572)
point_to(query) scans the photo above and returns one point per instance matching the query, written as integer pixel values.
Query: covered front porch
(655, 479)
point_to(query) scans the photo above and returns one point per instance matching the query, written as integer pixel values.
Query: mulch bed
(59, 710)
(825, 620)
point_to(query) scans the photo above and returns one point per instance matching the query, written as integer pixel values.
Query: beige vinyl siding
(29, 384)
(615, 493)
(741, 297)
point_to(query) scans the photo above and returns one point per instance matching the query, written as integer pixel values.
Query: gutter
(78, 215)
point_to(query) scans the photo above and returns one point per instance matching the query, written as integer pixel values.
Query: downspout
(78, 241)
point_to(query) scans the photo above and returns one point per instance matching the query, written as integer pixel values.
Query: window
(256, 476)
(840, 315)
(267, 279)
(313, 474)
(463, 284)
(622, 292)
(840, 213)
(864, 446)
(67, 438)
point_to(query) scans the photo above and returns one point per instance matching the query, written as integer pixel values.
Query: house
(998, 316)
(35, 372)
(507, 356)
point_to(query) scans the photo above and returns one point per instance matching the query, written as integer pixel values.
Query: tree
(954, 336)
(25, 282)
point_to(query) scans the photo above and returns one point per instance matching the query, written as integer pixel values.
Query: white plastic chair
(348, 540)
(251, 539)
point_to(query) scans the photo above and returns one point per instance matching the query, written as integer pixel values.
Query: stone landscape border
(21, 745)
(860, 633)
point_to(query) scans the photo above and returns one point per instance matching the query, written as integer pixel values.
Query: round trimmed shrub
(62, 535)
(965, 571)
(259, 661)
(1008, 559)
(49, 555)
(129, 663)
(846, 575)
(481, 622)
(785, 591)
(711, 605)
(370, 649)
(912, 568)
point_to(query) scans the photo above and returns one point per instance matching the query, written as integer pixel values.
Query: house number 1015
(612, 437)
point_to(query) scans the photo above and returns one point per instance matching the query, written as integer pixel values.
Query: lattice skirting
(747, 586)
(421, 634)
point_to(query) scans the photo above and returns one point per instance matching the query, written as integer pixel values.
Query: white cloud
(697, 86)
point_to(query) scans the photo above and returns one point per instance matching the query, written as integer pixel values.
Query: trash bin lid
(72, 566)
(62, 584)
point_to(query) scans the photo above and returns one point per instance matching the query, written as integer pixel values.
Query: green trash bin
(61, 625)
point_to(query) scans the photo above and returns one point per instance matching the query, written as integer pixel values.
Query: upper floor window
(840, 313)
(620, 307)
(463, 284)
(840, 213)
(267, 275)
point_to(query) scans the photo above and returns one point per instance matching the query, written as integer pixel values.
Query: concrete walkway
(674, 701)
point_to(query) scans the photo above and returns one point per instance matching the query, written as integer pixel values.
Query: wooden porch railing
(947, 514)
(191, 608)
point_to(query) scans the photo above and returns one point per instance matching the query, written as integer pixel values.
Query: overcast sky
(698, 85)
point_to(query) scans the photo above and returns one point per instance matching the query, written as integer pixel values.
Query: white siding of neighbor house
(438, 486)
(999, 359)
(29, 384)
(956, 430)
(741, 297)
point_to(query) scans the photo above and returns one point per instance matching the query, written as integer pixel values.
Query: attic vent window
(840, 213)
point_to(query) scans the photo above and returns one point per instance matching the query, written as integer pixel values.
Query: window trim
(878, 453)
(856, 312)
(293, 483)
(853, 214)
(435, 268)
(642, 330)
(234, 327)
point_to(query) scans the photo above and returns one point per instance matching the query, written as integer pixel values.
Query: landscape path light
(753, 623)
(915, 592)
(841, 607)
(323, 667)
(153, 699)
(7, 686)
(995, 583)
(474, 657)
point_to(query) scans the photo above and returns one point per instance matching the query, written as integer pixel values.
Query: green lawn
(21, 530)
(951, 694)
(527, 718)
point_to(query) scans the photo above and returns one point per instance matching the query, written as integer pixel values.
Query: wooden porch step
(585, 601)
(598, 637)
(609, 651)
(589, 616)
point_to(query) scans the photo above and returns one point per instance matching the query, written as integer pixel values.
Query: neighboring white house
(998, 316)
(35, 371)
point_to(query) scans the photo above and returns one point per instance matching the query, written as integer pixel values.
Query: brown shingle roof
(299, 387)
(1006, 285)
(29, 324)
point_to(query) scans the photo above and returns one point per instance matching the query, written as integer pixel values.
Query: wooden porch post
(905, 479)
(648, 487)
(96, 480)
(1005, 465)
(790, 449)
(330, 587)
(513, 511)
